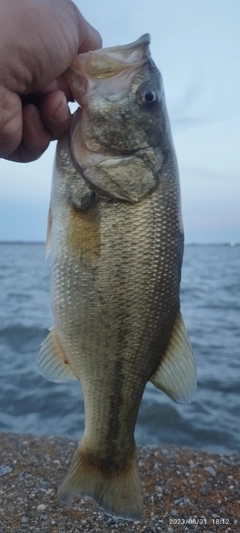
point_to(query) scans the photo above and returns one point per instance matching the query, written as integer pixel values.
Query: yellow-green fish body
(117, 245)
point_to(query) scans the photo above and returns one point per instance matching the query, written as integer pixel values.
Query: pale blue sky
(196, 46)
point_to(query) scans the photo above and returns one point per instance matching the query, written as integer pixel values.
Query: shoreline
(184, 490)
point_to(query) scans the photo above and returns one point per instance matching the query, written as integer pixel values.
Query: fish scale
(117, 243)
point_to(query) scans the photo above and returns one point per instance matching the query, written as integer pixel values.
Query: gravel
(184, 490)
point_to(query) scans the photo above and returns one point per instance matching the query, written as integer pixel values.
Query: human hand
(38, 41)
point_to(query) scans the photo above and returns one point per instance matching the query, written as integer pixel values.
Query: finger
(35, 139)
(59, 84)
(10, 122)
(55, 113)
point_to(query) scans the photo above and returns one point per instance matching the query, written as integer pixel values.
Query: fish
(116, 237)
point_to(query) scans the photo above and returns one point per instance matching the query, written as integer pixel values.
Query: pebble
(182, 501)
(205, 488)
(41, 507)
(165, 451)
(49, 492)
(192, 464)
(211, 470)
(44, 517)
(5, 469)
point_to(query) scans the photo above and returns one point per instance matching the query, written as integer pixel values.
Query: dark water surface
(210, 297)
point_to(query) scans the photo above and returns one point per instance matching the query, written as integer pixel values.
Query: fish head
(120, 135)
(119, 90)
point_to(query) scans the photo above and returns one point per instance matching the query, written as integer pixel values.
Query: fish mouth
(90, 72)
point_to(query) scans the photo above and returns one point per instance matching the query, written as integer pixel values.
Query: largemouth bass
(117, 244)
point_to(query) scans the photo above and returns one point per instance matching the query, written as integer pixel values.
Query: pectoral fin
(52, 362)
(176, 373)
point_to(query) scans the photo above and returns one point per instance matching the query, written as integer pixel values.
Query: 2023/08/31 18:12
(199, 521)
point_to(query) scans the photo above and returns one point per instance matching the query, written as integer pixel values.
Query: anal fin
(176, 373)
(52, 362)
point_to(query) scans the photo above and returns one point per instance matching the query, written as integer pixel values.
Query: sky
(196, 46)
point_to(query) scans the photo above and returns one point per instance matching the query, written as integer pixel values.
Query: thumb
(89, 38)
(10, 122)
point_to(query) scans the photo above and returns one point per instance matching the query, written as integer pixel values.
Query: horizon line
(223, 243)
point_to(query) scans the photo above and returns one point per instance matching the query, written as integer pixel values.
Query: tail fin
(117, 492)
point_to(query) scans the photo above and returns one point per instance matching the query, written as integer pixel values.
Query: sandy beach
(184, 490)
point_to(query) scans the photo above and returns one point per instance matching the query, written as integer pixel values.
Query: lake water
(210, 296)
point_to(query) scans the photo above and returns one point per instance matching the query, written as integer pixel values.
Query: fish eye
(149, 97)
